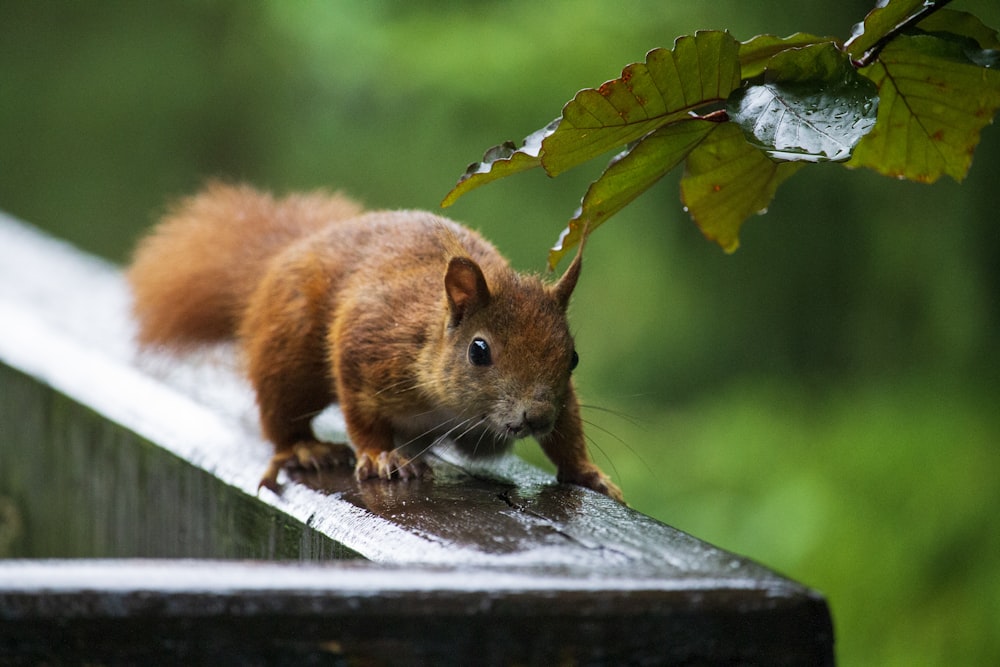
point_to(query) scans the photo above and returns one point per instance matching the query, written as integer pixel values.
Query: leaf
(980, 43)
(699, 71)
(500, 161)
(888, 17)
(812, 105)
(726, 180)
(935, 87)
(934, 103)
(755, 52)
(628, 175)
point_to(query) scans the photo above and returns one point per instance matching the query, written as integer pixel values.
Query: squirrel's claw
(270, 478)
(318, 455)
(593, 478)
(306, 455)
(387, 465)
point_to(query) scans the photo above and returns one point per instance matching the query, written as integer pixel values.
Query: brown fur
(374, 310)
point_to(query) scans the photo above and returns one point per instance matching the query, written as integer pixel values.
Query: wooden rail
(131, 528)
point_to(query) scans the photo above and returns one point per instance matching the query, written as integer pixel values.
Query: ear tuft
(563, 289)
(466, 288)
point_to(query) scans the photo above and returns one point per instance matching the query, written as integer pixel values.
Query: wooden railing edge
(68, 332)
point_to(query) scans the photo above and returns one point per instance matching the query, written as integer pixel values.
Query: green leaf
(934, 103)
(979, 42)
(964, 24)
(811, 106)
(726, 180)
(887, 18)
(630, 174)
(755, 52)
(926, 75)
(699, 71)
(500, 161)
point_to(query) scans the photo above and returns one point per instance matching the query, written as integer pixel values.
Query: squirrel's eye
(479, 353)
(574, 361)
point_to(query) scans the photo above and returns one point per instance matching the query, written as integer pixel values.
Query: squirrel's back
(192, 277)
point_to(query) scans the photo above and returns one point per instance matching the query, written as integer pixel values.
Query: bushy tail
(192, 276)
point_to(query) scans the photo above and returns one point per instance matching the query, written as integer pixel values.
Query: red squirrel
(416, 325)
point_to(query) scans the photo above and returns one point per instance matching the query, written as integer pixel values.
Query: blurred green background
(824, 401)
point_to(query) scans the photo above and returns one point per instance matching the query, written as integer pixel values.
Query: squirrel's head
(510, 352)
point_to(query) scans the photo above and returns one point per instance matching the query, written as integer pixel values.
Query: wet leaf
(630, 173)
(887, 17)
(935, 101)
(921, 81)
(755, 52)
(726, 180)
(811, 106)
(699, 71)
(500, 161)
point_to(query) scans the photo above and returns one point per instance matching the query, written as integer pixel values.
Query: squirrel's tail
(192, 276)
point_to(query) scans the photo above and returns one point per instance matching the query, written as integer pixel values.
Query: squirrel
(413, 323)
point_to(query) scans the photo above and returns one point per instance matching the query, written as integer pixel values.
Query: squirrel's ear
(466, 288)
(563, 289)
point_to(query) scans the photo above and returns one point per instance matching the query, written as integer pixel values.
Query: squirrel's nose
(539, 423)
(536, 416)
(530, 424)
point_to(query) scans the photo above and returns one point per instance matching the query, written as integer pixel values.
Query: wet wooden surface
(112, 459)
(239, 613)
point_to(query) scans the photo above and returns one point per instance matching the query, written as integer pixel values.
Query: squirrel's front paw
(318, 455)
(305, 455)
(386, 465)
(592, 478)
